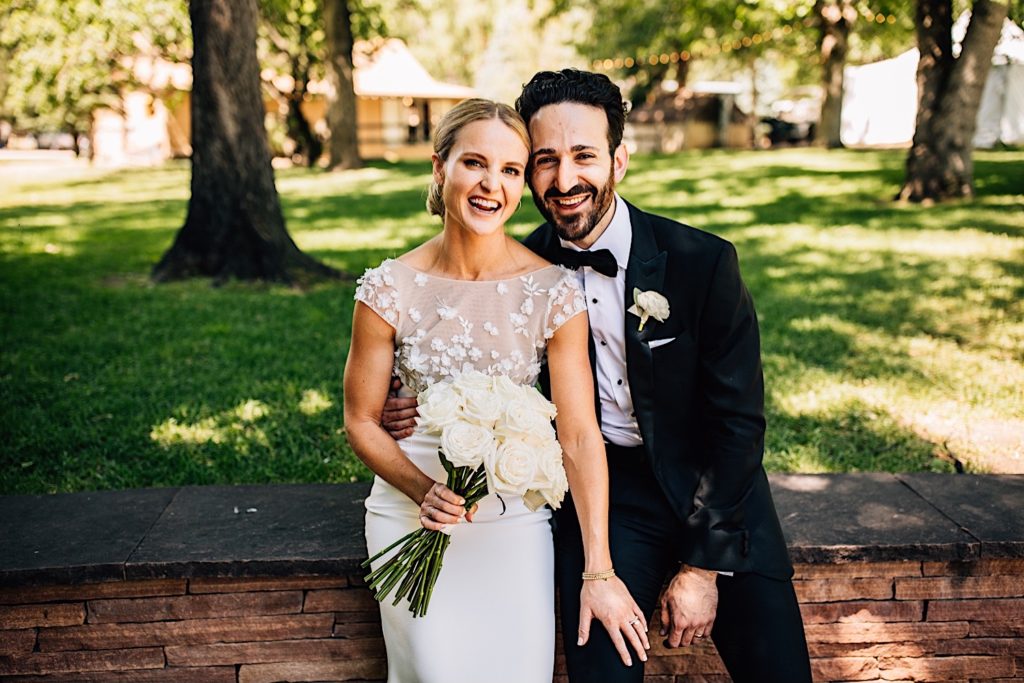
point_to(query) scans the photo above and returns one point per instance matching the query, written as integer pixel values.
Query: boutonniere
(648, 304)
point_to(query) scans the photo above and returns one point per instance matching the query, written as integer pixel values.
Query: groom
(680, 400)
(678, 386)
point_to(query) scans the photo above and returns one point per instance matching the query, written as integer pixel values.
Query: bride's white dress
(491, 616)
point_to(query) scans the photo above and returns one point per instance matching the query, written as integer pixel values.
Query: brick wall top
(290, 529)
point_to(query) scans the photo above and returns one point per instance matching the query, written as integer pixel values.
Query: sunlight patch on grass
(314, 402)
(235, 427)
(383, 235)
(892, 335)
(172, 432)
(251, 410)
(849, 239)
(368, 181)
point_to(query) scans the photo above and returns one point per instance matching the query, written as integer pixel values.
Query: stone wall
(892, 621)
(200, 597)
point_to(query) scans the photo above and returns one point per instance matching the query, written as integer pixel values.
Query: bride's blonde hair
(459, 117)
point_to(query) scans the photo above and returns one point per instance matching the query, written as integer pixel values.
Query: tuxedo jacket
(699, 398)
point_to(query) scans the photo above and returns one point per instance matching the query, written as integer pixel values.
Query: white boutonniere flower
(649, 304)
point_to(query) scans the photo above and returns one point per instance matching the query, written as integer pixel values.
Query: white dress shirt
(606, 306)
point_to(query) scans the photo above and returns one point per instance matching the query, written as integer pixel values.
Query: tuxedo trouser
(758, 629)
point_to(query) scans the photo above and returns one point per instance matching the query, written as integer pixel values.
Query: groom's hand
(399, 416)
(610, 603)
(688, 606)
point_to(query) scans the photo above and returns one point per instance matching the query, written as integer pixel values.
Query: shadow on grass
(173, 385)
(852, 438)
(109, 382)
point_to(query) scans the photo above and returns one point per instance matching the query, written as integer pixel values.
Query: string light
(761, 38)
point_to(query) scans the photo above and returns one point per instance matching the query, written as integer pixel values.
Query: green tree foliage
(293, 43)
(492, 45)
(61, 59)
(734, 34)
(447, 37)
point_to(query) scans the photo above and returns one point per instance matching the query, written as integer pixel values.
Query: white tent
(880, 99)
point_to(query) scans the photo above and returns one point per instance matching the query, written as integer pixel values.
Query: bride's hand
(609, 601)
(441, 506)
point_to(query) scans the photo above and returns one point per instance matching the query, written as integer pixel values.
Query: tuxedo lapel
(645, 271)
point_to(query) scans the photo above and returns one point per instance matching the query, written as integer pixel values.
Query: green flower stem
(406, 562)
(388, 568)
(415, 567)
(441, 545)
(403, 539)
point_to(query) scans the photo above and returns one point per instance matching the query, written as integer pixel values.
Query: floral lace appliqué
(445, 328)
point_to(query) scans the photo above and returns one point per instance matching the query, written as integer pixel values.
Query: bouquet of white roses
(496, 436)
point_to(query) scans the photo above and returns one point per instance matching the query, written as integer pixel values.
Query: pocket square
(655, 343)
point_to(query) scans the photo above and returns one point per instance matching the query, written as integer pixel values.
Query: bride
(473, 298)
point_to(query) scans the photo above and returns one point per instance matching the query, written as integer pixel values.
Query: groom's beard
(577, 227)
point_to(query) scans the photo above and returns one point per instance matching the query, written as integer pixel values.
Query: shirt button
(620, 382)
(594, 300)
(604, 343)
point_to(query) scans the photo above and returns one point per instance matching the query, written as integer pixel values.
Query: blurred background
(876, 199)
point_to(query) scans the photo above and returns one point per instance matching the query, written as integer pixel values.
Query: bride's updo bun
(447, 131)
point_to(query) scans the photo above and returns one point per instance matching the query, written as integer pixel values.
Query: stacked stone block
(865, 621)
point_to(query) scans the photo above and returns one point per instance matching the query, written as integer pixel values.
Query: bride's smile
(483, 177)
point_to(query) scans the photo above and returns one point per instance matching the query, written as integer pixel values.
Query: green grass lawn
(893, 336)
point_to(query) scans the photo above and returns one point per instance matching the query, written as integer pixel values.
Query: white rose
(537, 401)
(649, 304)
(471, 381)
(482, 407)
(549, 482)
(549, 466)
(467, 445)
(521, 421)
(438, 408)
(513, 467)
(505, 387)
(555, 493)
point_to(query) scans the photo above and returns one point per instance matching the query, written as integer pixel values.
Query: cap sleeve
(565, 301)
(376, 288)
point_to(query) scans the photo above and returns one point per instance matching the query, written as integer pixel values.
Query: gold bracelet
(599, 576)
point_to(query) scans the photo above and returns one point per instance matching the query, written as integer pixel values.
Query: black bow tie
(601, 260)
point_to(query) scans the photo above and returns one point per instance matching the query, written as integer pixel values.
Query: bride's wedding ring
(632, 621)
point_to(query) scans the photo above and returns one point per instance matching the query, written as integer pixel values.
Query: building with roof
(699, 116)
(398, 103)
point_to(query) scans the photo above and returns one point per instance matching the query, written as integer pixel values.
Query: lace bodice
(444, 327)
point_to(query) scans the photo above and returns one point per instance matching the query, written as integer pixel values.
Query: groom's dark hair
(582, 87)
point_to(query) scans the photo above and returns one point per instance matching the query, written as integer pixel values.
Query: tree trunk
(940, 164)
(341, 107)
(754, 103)
(307, 145)
(234, 227)
(834, 20)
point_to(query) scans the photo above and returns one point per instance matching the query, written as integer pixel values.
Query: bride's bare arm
(367, 377)
(587, 470)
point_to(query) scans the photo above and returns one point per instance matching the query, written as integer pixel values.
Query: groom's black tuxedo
(696, 491)
(699, 398)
